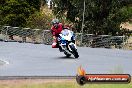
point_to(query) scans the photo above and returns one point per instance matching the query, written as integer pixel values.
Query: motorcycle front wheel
(74, 51)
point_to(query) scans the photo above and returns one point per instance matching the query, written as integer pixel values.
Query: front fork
(71, 45)
(67, 48)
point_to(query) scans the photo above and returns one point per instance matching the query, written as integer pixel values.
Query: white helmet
(55, 21)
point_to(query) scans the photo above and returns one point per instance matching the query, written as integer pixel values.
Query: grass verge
(55, 84)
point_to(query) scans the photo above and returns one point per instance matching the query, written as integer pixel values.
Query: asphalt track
(25, 59)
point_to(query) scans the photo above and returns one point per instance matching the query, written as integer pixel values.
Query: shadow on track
(64, 57)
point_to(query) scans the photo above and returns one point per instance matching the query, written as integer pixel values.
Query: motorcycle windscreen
(65, 32)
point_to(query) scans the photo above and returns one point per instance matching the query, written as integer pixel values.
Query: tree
(101, 16)
(36, 3)
(40, 21)
(16, 12)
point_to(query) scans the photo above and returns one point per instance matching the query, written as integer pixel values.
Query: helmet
(55, 21)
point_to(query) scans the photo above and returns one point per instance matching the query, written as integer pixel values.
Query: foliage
(40, 20)
(16, 12)
(36, 3)
(101, 16)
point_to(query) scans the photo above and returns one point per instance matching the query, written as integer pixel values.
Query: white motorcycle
(66, 41)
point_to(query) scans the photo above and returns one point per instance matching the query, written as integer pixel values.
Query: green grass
(65, 85)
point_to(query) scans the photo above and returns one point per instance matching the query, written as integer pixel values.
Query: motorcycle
(66, 42)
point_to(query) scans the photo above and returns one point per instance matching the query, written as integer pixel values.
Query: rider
(56, 29)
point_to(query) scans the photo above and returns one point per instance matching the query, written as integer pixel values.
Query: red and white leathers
(55, 32)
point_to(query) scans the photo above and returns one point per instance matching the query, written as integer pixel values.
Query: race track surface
(25, 59)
